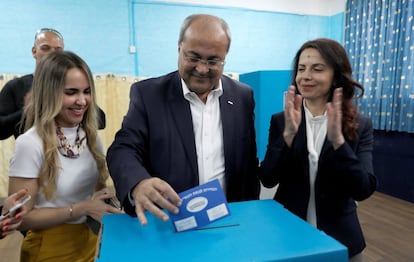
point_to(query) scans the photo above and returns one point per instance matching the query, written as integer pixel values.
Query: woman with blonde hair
(60, 160)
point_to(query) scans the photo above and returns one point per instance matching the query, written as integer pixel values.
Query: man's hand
(154, 194)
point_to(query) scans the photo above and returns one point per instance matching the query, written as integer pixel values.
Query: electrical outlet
(132, 49)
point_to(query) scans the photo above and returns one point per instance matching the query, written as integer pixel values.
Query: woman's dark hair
(335, 56)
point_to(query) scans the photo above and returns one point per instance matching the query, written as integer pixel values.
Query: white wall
(309, 7)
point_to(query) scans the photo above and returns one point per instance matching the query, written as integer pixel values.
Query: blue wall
(269, 89)
(96, 30)
(101, 31)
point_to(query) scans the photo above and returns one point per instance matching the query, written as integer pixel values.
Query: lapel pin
(229, 102)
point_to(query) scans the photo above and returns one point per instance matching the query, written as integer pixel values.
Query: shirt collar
(310, 116)
(218, 91)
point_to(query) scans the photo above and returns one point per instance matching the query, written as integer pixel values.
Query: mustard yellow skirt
(71, 243)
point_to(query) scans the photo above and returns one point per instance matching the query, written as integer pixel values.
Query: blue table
(260, 230)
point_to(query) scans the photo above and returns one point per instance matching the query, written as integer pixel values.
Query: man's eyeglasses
(45, 29)
(210, 63)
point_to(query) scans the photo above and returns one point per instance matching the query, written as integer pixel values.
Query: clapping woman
(320, 148)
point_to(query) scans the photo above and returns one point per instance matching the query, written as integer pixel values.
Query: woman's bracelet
(71, 210)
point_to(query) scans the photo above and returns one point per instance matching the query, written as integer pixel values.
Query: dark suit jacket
(344, 175)
(157, 139)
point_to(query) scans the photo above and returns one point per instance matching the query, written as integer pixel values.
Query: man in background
(13, 94)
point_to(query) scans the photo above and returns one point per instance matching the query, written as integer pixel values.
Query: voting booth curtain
(379, 40)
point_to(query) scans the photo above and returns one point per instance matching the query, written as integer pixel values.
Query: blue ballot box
(260, 230)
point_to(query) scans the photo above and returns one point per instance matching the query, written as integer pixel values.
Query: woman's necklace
(68, 150)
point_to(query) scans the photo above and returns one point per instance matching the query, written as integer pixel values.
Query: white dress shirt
(315, 133)
(208, 133)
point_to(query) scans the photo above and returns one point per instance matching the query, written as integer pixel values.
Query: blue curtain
(379, 39)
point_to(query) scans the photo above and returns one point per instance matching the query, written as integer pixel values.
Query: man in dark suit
(187, 128)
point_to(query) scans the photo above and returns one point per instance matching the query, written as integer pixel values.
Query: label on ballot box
(201, 206)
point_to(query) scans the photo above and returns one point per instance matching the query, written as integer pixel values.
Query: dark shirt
(12, 103)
